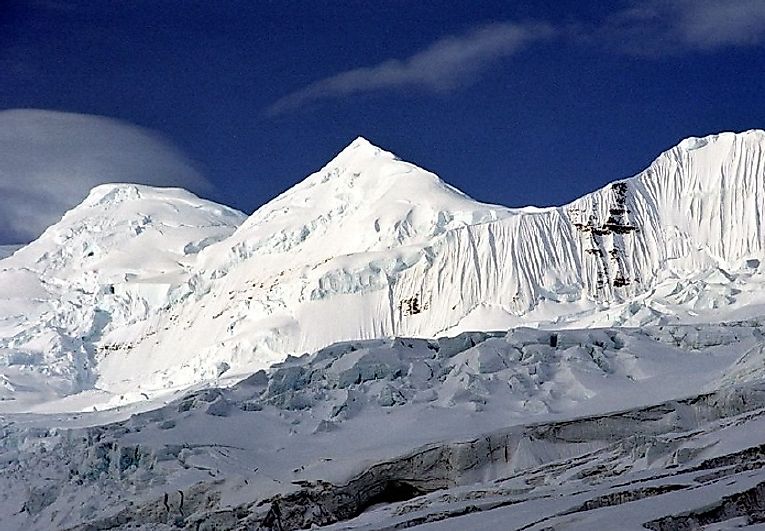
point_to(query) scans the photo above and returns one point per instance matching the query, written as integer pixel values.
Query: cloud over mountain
(50, 160)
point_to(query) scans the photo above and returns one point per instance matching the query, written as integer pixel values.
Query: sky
(514, 103)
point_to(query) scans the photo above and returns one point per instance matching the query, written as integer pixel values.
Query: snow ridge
(371, 246)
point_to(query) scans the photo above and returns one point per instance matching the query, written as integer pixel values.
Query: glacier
(373, 349)
(465, 432)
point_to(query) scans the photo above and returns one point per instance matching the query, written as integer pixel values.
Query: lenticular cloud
(50, 160)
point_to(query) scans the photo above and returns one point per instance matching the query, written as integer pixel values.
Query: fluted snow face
(371, 246)
(364, 200)
(698, 206)
(708, 196)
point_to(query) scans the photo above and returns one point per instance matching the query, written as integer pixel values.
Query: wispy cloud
(448, 63)
(645, 28)
(659, 27)
(50, 160)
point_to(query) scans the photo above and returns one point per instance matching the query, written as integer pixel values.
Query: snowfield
(382, 433)
(375, 350)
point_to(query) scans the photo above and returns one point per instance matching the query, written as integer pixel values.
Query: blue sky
(513, 102)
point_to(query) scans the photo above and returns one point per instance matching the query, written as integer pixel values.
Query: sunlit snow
(375, 350)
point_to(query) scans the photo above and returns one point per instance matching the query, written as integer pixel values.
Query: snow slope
(382, 433)
(155, 304)
(108, 264)
(371, 246)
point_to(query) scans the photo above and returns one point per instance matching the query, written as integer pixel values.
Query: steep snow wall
(372, 246)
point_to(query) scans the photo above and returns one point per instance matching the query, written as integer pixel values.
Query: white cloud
(646, 27)
(50, 160)
(444, 65)
(658, 27)
(713, 23)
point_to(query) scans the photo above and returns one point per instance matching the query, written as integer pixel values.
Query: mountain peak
(111, 194)
(360, 151)
(723, 138)
(120, 219)
(361, 142)
(364, 199)
(108, 192)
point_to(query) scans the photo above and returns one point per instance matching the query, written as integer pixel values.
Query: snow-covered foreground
(485, 430)
(595, 366)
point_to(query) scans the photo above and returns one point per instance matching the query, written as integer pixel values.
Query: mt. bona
(374, 350)
(142, 291)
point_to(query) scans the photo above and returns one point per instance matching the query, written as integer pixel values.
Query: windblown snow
(373, 349)
(8, 250)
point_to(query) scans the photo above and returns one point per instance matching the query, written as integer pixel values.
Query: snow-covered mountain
(593, 366)
(371, 246)
(51, 159)
(110, 263)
